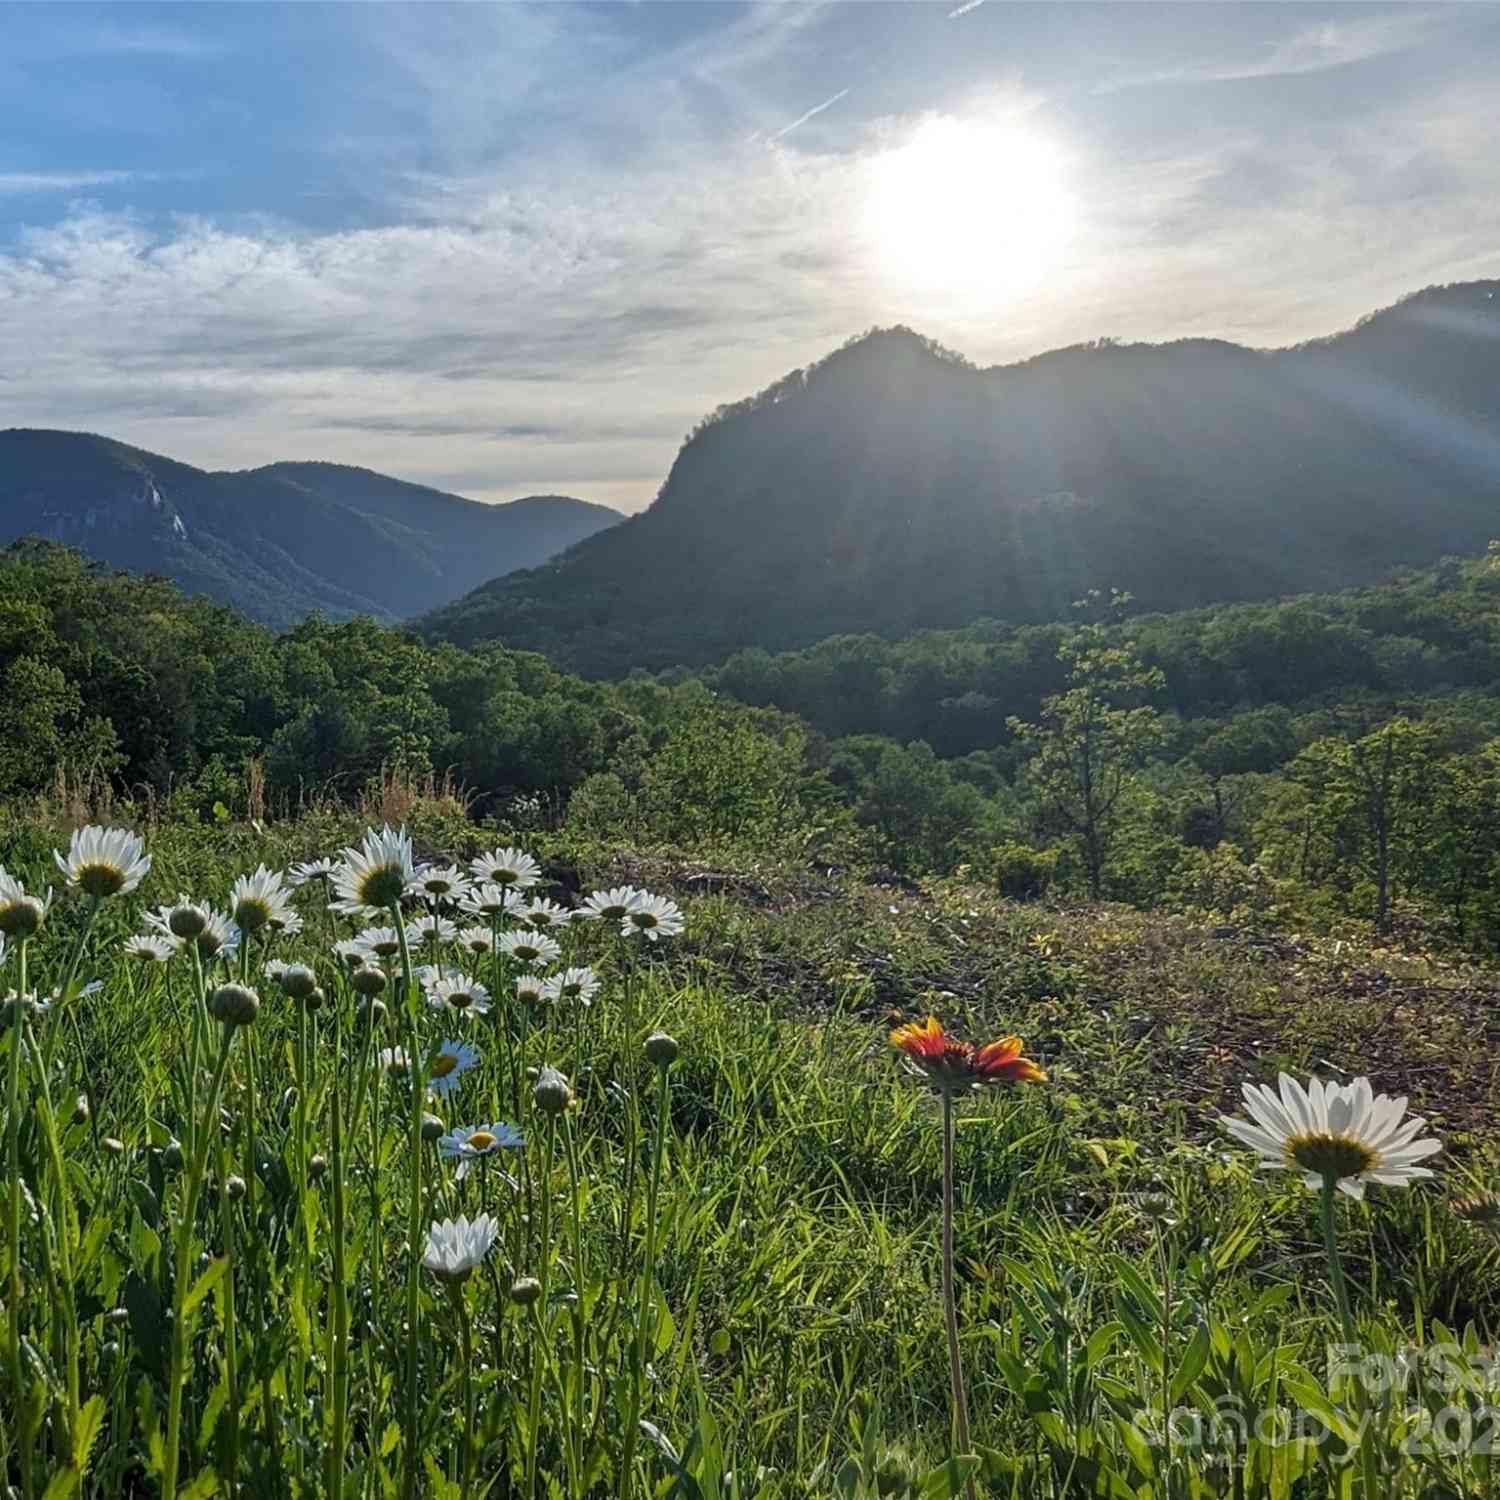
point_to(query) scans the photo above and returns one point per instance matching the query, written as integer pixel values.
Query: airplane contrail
(963, 10)
(817, 109)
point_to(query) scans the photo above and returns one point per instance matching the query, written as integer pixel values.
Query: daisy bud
(314, 999)
(316, 1167)
(552, 1094)
(525, 1290)
(372, 1012)
(1158, 1206)
(299, 982)
(234, 1005)
(432, 1128)
(368, 982)
(22, 917)
(235, 1188)
(187, 921)
(171, 1155)
(81, 1110)
(114, 1147)
(661, 1049)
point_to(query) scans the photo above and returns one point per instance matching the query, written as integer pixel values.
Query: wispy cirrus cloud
(70, 182)
(1310, 49)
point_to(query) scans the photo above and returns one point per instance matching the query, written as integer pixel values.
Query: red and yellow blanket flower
(954, 1067)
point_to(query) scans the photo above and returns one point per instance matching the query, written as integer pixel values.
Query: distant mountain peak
(279, 540)
(893, 486)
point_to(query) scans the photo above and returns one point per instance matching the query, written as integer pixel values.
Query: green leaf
(205, 1283)
(948, 1480)
(1194, 1359)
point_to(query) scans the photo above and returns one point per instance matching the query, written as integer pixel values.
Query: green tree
(1371, 801)
(1091, 739)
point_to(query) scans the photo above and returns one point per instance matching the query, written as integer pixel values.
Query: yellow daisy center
(1328, 1155)
(100, 879)
(481, 1140)
(444, 1064)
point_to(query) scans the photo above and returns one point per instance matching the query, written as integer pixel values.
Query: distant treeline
(1425, 634)
(1315, 760)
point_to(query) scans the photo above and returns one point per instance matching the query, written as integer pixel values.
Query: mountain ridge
(894, 486)
(279, 540)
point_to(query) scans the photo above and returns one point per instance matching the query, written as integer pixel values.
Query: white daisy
(442, 882)
(531, 989)
(380, 942)
(1327, 1131)
(287, 924)
(580, 985)
(352, 952)
(20, 915)
(310, 870)
(468, 1143)
(379, 872)
(545, 916)
(150, 948)
(454, 992)
(455, 1246)
(430, 929)
(491, 901)
(219, 937)
(611, 905)
(529, 947)
(104, 861)
(478, 940)
(506, 867)
(453, 1060)
(30, 1005)
(653, 917)
(393, 1061)
(259, 899)
(356, 912)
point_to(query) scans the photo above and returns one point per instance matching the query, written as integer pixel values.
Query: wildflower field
(339, 1166)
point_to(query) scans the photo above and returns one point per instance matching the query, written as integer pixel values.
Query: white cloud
(1313, 49)
(60, 182)
(559, 320)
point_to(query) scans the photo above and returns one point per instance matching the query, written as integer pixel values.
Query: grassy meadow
(718, 1275)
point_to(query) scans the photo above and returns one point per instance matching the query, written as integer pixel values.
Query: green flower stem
(539, 1311)
(13, 1228)
(648, 1272)
(69, 974)
(580, 1284)
(339, 1359)
(950, 1305)
(1346, 1322)
(466, 1471)
(67, 1232)
(260, 1288)
(231, 1318)
(417, 1072)
(183, 1266)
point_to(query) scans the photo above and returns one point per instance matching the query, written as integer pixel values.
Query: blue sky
(523, 248)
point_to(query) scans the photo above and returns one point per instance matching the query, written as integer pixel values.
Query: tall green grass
(716, 1280)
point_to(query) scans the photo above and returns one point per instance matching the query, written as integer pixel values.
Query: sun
(967, 214)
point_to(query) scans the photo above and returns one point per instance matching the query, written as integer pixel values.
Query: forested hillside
(1327, 759)
(279, 541)
(894, 487)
